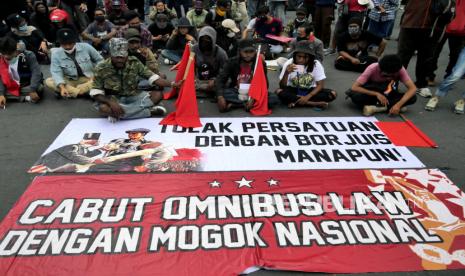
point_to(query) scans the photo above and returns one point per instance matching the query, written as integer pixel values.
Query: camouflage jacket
(120, 82)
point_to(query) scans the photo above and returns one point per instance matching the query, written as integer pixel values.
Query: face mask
(71, 51)
(198, 12)
(300, 20)
(100, 18)
(162, 24)
(220, 12)
(261, 17)
(13, 60)
(231, 34)
(23, 28)
(354, 30)
(205, 46)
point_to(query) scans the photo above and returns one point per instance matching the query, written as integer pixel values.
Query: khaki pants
(240, 8)
(77, 87)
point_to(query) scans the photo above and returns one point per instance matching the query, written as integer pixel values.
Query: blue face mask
(23, 28)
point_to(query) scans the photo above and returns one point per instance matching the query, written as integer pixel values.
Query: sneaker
(168, 62)
(432, 103)
(424, 92)
(369, 110)
(157, 110)
(329, 51)
(459, 106)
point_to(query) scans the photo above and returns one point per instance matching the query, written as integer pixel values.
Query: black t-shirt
(359, 46)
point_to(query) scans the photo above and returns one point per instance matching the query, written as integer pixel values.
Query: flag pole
(256, 62)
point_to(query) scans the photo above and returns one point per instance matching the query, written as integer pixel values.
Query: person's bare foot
(34, 97)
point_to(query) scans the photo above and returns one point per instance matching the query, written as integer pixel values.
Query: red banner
(224, 223)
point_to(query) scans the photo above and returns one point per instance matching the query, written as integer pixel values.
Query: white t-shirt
(305, 80)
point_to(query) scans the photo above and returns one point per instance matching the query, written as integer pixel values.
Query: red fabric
(187, 110)
(59, 15)
(283, 39)
(180, 74)
(341, 258)
(259, 91)
(12, 87)
(406, 134)
(457, 26)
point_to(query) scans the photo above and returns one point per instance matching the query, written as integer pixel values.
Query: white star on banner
(443, 186)
(422, 176)
(272, 182)
(459, 201)
(244, 183)
(215, 184)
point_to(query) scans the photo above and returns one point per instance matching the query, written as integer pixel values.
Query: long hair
(311, 61)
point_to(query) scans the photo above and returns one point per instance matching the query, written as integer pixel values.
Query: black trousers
(456, 43)
(345, 65)
(289, 95)
(411, 40)
(360, 100)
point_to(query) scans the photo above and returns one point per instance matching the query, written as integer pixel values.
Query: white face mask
(70, 51)
(231, 34)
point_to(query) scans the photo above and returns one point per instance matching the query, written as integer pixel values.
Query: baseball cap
(132, 34)
(246, 44)
(118, 47)
(230, 24)
(58, 15)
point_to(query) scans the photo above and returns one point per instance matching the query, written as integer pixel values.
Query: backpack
(442, 12)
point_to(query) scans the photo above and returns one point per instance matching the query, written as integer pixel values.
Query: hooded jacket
(215, 60)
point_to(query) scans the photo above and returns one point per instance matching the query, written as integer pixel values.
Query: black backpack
(442, 12)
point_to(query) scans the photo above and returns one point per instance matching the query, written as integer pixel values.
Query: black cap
(301, 10)
(245, 44)
(91, 136)
(141, 130)
(66, 36)
(14, 20)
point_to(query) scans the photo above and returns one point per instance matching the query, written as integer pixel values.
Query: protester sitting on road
(120, 98)
(264, 24)
(353, 47)
(197, 15)
(300, 20)
(227, 37)
(72, 66)
(159, 7)
(144, 54)
(302, 80)
(99, 32)
(133, 21)
(29, 35)
(59, 20)
(305, 33)
(20, 75)
(209, 59)
(233, 82)
(457, 73)
(116, 14)
(40, 19)
(377, 88)
(183, 34)
(216, 15)
(161, 30)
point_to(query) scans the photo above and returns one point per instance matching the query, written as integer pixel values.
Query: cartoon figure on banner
(132, 154)
(438, 220)
(68, 158)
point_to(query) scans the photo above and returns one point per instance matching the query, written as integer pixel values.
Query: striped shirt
(389, 5)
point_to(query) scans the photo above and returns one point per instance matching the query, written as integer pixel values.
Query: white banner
(247, 144)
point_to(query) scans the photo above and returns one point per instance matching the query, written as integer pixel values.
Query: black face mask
(205, 46)
(100, 18)
(301, 38)
(198, 12)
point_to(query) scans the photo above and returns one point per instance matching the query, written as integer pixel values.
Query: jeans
(278, 10)
(252, 6)
(135, 107)
(172, 55)
(457, 73)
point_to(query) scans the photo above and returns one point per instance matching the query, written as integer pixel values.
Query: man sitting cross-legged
(115, 87)
(377, 89)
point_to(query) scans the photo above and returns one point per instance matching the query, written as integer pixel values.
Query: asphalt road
(26, 130)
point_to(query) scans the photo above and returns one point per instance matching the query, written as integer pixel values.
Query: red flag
(181, 67)
(187, 111)
(259, 91)
(12, 87)
(406, 134)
